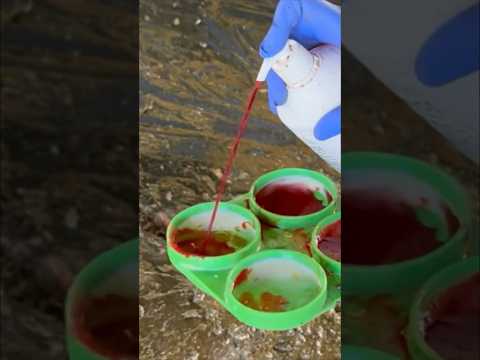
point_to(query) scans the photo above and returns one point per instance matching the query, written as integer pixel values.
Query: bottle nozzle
(264, 70)
(293, 64)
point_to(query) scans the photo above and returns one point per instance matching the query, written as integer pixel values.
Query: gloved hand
(310, 22)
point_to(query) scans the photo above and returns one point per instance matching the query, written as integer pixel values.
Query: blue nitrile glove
(451, 52)
(310, 22)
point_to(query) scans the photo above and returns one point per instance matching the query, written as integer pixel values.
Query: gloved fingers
(286, 17)
(329, 125)
(320, 23)
(277, 91)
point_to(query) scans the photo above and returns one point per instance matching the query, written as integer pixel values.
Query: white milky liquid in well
(225, 220)
(285, 277)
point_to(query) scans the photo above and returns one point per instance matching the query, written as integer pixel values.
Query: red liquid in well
(452, 326)
(108, 325)
(290, 199)
(242, 277)
(231, 157)
(192, 242)
(329, 240)
(381, 229)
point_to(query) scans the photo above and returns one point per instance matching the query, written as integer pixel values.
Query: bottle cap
(294, 64)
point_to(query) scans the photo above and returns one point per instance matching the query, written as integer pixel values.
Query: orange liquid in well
(192, 242)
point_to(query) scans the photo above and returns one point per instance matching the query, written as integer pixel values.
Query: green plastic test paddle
(216, 275)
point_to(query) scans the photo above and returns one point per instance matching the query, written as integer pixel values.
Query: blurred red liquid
(381, 229)
(108, 325)
(453, 322)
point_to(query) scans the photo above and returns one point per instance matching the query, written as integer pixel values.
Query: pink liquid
(231, 158)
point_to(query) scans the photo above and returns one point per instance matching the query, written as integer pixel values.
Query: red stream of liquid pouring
(233, 152)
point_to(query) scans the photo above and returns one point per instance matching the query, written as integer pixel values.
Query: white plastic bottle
(313, 80)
